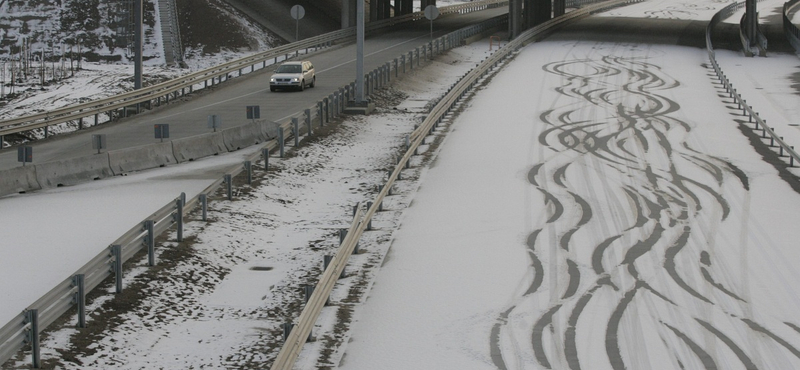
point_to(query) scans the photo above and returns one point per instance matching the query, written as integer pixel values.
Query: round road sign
(298, 12)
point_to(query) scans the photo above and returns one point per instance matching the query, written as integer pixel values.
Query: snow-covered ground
(568, 239)
(669, 9)
(480, 261)
(286, 224)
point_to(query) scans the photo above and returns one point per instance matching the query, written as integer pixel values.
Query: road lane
(228, 100)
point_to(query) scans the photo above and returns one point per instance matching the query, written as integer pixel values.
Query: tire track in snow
(616, 115)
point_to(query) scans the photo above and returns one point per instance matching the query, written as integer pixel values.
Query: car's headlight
(295, 79)
(272, 79)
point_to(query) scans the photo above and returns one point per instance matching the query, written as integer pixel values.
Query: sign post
(253, 112)
(214, 121)
(297, 12)
(162, 131)
(25, 154)
(99, 142)
(431, 12)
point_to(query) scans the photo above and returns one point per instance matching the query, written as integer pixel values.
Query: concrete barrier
(196, 147)
(141, 158)
(269, 129)
(73, 171)
(242, 136)
(18, 180)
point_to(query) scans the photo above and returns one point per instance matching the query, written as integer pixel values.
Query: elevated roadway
(335, 68)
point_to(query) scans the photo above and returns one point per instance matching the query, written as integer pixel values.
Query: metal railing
(747, 110)
(300, 332)
(789, 29)
(179, 86)
(25, 327)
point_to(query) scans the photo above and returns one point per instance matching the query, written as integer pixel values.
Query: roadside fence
(775, 141)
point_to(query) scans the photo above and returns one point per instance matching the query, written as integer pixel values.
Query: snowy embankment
(242, 279)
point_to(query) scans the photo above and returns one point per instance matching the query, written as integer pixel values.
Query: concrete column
(528, 11)
(373, 10)
(559, 7)
(514, 18)
(348, 13)
(751, 21)
(387, 8)
(542, 12)
(408, 6)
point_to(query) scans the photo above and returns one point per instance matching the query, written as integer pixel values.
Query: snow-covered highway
(597, 205)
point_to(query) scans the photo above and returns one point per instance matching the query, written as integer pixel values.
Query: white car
(295, 75)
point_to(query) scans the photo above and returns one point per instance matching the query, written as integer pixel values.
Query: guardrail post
(229, 185)
(280, 140)
(204, 206)
(336, 104)
(79, 281)
(179, 218)
(296, 131)
(327, 261)
(369, 225)
(265, 156)
(116, 251)
(307, 114)
(287, 329)
(396, 69)
(32, 316)
(150, 242)
(411, 59)
(1, 142)
(308, 290)
(320, 113)
(403, 60)
(248, 167)
(326, 111)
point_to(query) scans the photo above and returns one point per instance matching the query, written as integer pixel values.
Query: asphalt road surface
(335, 68)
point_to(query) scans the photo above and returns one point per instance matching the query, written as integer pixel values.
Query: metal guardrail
(25, 327)
(300, 332)
(789, 29)
(178, 86)
(747, 110)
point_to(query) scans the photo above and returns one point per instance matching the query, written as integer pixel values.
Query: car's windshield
(289, 69)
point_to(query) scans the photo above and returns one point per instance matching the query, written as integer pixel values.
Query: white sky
(458, 267)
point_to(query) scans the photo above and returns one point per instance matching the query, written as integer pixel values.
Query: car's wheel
(302, 85)
(313, 82)
(272, 88)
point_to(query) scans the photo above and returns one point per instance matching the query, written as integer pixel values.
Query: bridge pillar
(542, 11)
(387, 8)
(424, 4)
(529, 9)
(348, 13)
(373, 10)
(751, 22)
(514, 18)
(408, 6)
(559, 7)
